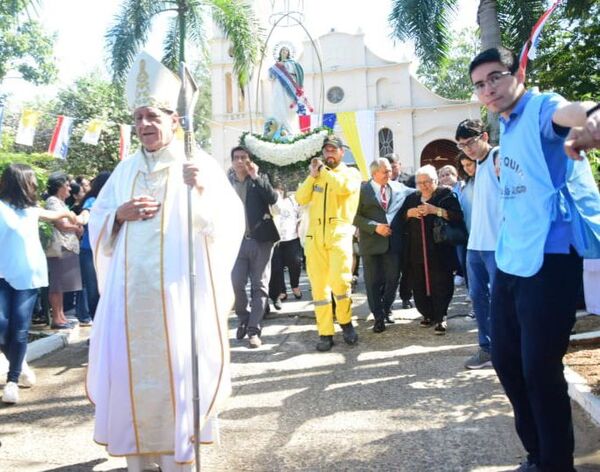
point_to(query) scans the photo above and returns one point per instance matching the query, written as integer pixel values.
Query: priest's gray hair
(378, 164)
(429, 171)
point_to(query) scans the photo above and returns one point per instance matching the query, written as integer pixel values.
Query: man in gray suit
(380, 200)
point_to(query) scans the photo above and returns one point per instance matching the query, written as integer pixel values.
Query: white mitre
(151, 84)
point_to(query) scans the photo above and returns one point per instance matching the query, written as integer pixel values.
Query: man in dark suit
(380, 200)
(253, 260)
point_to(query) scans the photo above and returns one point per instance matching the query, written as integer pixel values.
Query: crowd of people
(512, 221)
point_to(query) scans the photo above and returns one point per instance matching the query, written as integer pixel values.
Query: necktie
(384, 202)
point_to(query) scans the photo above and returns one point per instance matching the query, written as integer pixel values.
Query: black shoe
(379, 326)
(388, 319)
(39, 320)
(425, 323)
(440, 328)
(298, 295)
(241, 331)
(527, 466)
(406, 304)
(325, 343)
(350, 335)
(277, 304)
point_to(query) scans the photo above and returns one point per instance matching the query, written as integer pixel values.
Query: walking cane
(187, 102)
(425, 258)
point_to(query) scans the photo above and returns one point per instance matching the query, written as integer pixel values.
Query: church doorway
(439, 153)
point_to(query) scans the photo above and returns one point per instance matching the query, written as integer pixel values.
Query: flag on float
(27, 124)
(329, 120)
(304, 122)
(124, 141)
(92, 132)
(529, 50)
(361, 146)
(59, 144)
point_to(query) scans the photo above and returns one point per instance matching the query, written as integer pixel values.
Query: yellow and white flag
(92, 132)
(27, 124)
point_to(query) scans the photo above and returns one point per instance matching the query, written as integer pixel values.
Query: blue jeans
(531, 320)
(16, 308)
(89, 280)
(481, 267)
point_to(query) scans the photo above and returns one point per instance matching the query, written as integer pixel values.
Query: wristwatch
(440, 212)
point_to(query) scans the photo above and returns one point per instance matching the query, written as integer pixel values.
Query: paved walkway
(398, 401)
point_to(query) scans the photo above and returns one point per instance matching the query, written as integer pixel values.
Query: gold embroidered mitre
(151, 84)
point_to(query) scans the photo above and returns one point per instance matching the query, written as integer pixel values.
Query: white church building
(410, 120)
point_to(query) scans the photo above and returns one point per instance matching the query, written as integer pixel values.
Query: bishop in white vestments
(139, 376)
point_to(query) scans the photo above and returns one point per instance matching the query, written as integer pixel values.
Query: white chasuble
(139, 373)
(146, 321)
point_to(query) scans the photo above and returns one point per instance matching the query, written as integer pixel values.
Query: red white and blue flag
(59, 145)
(529, 50)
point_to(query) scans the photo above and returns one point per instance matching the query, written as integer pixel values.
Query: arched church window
(386, 141)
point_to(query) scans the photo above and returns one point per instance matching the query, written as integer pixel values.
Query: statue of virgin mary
(287, 96)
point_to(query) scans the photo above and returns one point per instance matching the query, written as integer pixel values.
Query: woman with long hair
(23, 267)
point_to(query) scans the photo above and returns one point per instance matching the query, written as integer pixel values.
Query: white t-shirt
(485, 214)
(22, 260)
(287, 218)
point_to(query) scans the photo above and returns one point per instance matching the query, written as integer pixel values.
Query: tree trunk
(487, 18)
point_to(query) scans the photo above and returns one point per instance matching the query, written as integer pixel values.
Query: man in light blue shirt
(550, 210)
(473, 140)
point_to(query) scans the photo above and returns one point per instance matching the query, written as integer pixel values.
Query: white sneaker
(10, 393)
(458, 280)
(27, 378)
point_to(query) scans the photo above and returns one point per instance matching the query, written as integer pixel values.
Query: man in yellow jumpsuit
(331, 190)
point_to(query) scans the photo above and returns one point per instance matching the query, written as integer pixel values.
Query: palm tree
(14, 8)
(133, 23)
(501, 22)
(507, 22)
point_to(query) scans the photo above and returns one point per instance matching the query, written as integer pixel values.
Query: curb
(54, 342)
(581, 392)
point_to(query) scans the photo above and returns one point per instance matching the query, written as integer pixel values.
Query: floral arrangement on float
(288, 151)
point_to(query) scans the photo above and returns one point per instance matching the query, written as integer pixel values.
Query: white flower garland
(284, 154)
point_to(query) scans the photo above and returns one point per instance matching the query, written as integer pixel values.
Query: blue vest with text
(530, 201)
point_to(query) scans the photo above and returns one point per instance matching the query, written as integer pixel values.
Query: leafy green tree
(24, 46)
(203, 110)
(501, 22)
(88, 97)
(133, 24)
(506, 22)
(568, 61)
(451, 78)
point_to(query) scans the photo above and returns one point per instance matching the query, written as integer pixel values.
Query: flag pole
(187, 102)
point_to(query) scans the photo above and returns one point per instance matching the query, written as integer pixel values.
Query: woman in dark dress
(430, 264)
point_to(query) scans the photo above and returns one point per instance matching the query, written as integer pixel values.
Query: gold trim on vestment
(151, 372)
(131, 396)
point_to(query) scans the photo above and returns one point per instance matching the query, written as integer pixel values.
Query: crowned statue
(287, 96)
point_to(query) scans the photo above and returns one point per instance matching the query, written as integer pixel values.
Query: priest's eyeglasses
(492, 80)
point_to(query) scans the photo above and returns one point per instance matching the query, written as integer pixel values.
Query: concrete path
(398, 401)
